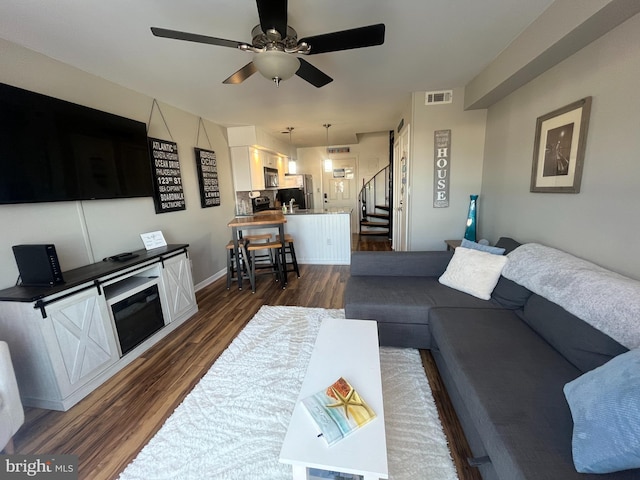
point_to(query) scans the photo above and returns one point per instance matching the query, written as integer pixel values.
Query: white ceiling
(429, 45)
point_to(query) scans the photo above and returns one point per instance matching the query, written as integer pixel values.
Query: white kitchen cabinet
(248, 168)
(257, 168)
(269, 160)
(248, 165)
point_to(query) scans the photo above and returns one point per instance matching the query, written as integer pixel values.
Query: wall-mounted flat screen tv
(52, 150)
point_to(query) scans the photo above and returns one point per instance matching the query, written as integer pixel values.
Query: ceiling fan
(275, 45)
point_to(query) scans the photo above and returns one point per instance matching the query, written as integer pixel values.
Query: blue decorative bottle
(472, 225)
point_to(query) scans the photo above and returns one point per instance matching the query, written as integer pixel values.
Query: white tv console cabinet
(63, 339)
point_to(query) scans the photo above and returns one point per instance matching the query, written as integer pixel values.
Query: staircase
(374, 202)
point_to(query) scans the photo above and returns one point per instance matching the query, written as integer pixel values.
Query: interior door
(339, 187)
(400, 190)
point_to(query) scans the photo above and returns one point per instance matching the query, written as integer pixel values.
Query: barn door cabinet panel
(178, 287)
(80, 339)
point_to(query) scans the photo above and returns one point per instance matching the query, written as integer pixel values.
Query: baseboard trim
(208, 281)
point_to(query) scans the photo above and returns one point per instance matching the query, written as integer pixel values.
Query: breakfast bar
(323, 236)
(269, 219)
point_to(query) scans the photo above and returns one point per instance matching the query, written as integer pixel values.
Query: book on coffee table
(317, 474)
(338, 411)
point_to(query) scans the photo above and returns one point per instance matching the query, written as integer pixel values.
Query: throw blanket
(606, 300)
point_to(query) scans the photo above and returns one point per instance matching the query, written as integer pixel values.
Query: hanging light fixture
(276, 65)
(292, 167)
(328, 164)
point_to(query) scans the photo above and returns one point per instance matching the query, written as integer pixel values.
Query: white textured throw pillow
(473, 272)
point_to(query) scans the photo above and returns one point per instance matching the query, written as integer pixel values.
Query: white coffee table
(349, 349)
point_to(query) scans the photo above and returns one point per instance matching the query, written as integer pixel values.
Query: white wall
(84, 232)
(429, 226)
(601, 222)
(372, 152)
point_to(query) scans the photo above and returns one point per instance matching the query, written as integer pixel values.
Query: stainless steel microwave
(270, 177)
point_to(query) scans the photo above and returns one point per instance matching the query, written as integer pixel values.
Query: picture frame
(559, 147)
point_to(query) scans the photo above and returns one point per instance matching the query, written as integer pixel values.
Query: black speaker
(38, 265)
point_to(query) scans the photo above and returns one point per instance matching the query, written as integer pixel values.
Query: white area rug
(232, 424)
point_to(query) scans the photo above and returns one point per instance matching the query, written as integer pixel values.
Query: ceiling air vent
(334, 150)
(438, 98)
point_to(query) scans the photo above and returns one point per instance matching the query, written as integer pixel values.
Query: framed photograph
(558, 152)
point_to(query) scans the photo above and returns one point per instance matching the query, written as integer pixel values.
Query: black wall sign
(208, 177)
(169, 195)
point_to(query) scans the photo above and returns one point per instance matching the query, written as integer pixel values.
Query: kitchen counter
(314, 211)
(322, 237)
(320, 211)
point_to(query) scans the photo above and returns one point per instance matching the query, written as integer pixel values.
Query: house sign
(441, 167)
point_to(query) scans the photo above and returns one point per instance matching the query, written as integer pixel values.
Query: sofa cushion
(402, 299)
(580, 343)
(509, 294)
(606, 300)
(509, 244)
(473, 272)
(511, 382)
(400, 264)
(604, 404)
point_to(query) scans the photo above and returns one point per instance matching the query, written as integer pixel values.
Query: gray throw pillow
(509, 244)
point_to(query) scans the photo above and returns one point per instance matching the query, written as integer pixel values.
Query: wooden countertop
(257, 220)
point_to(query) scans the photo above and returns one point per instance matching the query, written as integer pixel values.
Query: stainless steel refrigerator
(299, 188)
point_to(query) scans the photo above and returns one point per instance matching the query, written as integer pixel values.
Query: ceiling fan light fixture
(276, 65)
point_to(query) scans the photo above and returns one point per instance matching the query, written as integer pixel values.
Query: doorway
(401, 190)
(340, 189)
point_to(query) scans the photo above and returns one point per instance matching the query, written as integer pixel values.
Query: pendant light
(292, 166)
(328, 164)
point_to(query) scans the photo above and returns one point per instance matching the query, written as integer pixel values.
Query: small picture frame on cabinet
(153, 240)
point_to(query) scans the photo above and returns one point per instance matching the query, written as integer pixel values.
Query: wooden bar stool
(260, 237)
(269, 262)
(231, 262)
(290, 249)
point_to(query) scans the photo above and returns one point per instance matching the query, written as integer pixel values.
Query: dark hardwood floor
(109, 427)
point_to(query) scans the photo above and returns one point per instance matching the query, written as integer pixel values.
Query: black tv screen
(52, 150)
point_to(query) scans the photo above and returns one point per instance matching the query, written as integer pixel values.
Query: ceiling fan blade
(194, 37)
(273, 14)
(242, 74)
(346, 39)
(311, 74)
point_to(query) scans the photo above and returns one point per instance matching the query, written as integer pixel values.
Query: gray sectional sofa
(506, 360)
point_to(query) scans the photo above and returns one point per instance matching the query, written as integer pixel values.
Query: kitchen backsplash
(243, 201)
